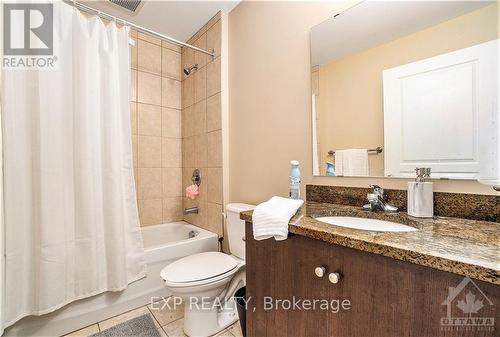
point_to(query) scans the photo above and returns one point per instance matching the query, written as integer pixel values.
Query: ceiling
(372, 23)
(177, 19)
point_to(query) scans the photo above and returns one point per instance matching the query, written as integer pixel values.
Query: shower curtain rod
(110, 17)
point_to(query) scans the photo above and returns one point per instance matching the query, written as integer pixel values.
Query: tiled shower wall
(155, 107)
(201, 126)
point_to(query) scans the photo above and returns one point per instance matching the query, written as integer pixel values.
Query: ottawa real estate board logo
(468, 308)
(28, 38)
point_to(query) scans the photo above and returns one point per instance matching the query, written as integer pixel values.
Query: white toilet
(205, 280)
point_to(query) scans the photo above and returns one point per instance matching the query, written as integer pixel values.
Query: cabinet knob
(334, 278)
(320, 271)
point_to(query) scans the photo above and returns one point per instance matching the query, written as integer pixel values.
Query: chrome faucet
(376, 201)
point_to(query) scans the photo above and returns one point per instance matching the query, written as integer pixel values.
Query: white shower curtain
(71, 221)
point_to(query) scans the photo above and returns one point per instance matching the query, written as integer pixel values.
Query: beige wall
(156, 128)
(201, 120)
(350, 100)
(269, 102)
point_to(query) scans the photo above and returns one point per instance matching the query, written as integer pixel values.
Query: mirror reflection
(398, 92)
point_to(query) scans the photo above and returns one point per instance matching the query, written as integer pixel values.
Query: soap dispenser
(420, 195)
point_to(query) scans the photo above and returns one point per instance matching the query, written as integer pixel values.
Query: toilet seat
(199, 269)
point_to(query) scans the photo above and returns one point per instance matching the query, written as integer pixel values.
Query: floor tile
(166, 311)
(236, 329)
(175, 329)
(162, 333)
(225, 333)
(125, 317)
(92, 329)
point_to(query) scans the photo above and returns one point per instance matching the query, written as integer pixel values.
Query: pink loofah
(192, 191)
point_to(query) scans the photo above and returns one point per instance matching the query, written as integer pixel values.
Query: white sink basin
(366, 224)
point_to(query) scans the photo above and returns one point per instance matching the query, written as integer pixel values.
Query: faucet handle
(377, 189)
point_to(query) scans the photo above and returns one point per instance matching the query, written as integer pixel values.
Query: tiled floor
(168, 321)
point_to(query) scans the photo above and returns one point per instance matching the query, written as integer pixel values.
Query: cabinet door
(393, 298)
(280, 271)
(307, 255)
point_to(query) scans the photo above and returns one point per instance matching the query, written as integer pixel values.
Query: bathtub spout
(191, 210)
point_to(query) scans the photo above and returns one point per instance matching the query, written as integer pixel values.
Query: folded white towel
(270, 219)
(351, 162)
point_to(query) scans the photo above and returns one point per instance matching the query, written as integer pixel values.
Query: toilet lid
(198, 267)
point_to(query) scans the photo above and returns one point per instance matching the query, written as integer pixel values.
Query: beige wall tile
(200, 58)
(150, 211)
(171, 152)
(188, 121)
(200, 150)
(149, 120)
(149, 88)
(187, 60)
(186, 178)
(199, 219)
(214, 141)
(133, 118)
(149, 151)
(214, 218)
(188, 91)
(134, 150)
(171, 46)
(213, 77)
(214, 185)
(199, 118)
(149, 57)
(214, 38)
(133, 55)
(149, 38)
(213, 20)
(133, 85)
(188, 152)
(200, 85)
(171, 64)
(171, 95)
(172, 182)
(172, 209)
(197, 35)
(149, 183)
(171, 125)
(214, 113)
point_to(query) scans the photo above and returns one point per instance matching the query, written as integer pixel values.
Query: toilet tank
(235, 228)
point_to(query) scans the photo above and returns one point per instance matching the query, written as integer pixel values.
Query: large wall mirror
(400, 85)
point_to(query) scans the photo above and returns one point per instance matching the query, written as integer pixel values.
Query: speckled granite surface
(459, 205)
(465, 247)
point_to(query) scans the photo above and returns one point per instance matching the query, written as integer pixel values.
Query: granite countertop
(465, 247)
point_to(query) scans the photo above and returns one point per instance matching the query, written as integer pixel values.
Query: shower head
(188, 71)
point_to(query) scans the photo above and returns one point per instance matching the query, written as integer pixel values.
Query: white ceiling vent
(130, 5)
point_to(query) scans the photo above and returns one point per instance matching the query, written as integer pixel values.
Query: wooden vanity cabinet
(388, 297)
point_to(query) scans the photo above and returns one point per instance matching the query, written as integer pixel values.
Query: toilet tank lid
(239, 207)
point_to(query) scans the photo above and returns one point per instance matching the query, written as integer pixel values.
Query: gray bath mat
(142, 326)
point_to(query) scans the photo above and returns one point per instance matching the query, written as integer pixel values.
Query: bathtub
(163, 244)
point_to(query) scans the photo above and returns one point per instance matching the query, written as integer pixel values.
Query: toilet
(207, 281)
